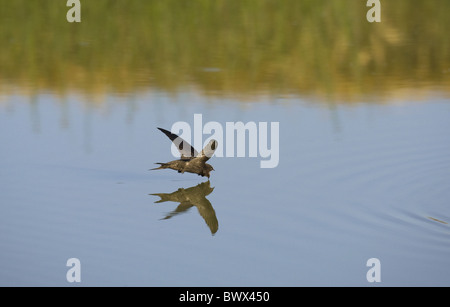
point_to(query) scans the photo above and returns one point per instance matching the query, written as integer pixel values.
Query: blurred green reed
(240, 48)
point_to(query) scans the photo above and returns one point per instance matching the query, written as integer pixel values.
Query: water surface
(364, 147)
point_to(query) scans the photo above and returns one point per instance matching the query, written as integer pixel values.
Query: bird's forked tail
(162, 166)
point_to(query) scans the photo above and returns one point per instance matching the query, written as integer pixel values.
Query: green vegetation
(241, 48)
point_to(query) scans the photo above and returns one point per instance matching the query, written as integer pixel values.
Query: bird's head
(208, 168)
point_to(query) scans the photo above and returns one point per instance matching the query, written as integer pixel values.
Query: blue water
(353, 183)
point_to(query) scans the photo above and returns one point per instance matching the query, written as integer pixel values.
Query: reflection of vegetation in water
(226, 47)
(190, 197)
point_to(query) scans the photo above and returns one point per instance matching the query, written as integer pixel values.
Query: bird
(190, 161)
(190, 197)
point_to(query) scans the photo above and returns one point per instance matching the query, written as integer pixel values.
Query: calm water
(364, 166)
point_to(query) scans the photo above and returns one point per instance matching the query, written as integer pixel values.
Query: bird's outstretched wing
(206, 210)
(186, 150)
(208, 151)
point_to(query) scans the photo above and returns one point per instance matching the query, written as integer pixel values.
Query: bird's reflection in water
(193, 196)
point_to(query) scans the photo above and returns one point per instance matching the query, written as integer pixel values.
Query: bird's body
(190, 161)
(191, 166)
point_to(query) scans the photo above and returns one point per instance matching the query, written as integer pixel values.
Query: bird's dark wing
(186, 150)
(206, 210)
(182, 207)
(208, 151)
